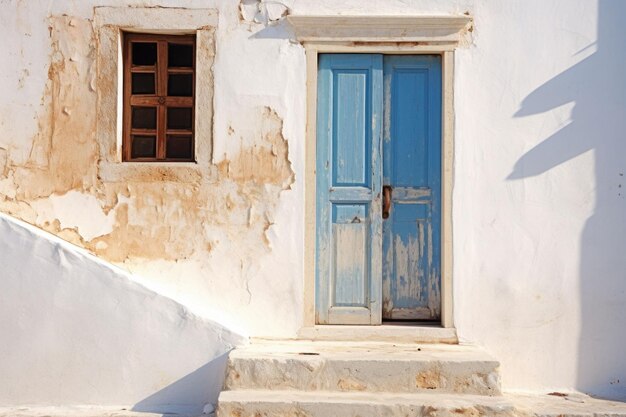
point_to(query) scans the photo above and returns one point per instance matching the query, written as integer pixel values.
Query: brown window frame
(160, 100)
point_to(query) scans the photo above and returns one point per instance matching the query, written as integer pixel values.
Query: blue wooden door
(412, 179)
(368, 267)
(349, 223)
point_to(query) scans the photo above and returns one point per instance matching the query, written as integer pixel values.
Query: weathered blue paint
(412, 166)
(368, 268)
(349, 224)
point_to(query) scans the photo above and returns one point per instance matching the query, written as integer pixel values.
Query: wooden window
(159, 94)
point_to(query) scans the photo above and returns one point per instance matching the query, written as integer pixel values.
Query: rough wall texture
(158, 216)
(178, 216)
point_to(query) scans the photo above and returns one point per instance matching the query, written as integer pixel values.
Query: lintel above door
(443, 28)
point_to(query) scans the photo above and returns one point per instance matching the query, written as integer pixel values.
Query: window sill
(185, 172)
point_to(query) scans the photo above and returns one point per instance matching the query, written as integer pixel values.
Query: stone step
(363, 366)
(255, 403)
(393, 333)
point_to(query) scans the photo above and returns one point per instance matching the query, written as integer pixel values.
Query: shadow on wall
(79, 331)
(189, 394)
(597, 85)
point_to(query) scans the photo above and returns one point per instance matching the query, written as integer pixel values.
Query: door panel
(350, 236)
(368, 268)
(412, 167)
(351, 150)
(349, 174)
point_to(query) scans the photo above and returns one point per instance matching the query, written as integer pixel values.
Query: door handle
(386, 200)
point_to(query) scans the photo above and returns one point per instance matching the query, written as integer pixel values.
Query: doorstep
(395, 333)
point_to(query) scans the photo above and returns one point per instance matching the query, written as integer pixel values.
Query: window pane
(143, 83)
(143, 147)
(143, 118)
(180, 85)
(179, 118)
(144, 53)
(179, 55)
(178, 147)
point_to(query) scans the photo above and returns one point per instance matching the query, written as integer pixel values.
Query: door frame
(446, 51)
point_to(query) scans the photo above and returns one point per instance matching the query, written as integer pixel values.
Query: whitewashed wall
(78, 331)
(539, 201)
(539, 211)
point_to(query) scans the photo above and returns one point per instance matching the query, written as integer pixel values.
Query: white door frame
(318, 40)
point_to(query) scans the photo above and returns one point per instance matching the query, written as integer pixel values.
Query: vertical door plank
(412, 148)
(349, 133)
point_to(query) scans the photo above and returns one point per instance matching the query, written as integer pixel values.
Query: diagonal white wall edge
(76, 331)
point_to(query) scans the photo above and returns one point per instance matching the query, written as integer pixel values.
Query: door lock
(386, 200)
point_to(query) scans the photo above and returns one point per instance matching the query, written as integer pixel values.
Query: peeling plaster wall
(205, 235)
(539, 229)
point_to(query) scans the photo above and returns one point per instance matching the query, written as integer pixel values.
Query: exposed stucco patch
(266, 162)
(64, 153)
(168, 212)
(165, 218)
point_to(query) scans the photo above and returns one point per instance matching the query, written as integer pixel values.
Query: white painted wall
(539, 201)
(78, 331)
(539, 211)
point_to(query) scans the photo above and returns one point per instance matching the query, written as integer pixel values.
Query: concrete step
(252, 403)
(393, 333)
(255, 403)
(363, 366)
